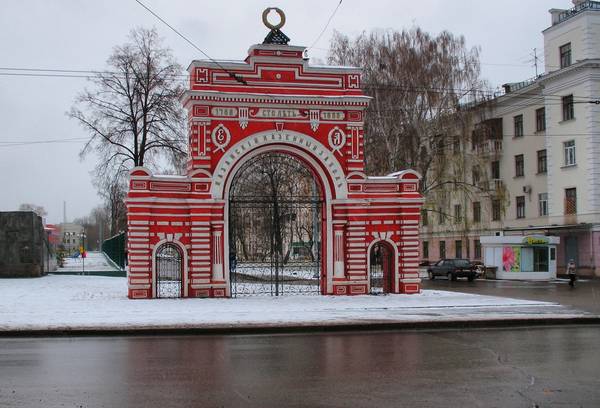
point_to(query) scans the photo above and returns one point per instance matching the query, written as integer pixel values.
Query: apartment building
(536, 155)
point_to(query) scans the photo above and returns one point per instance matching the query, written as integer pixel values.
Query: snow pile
(63, 302)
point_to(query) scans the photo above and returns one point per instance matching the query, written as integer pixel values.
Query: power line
(326, 25)
(231, 74)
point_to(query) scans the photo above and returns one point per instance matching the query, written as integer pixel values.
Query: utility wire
(231, 74)
(326, 25)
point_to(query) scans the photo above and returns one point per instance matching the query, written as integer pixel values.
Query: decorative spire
(275, 36)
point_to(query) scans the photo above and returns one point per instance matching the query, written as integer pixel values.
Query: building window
(456, 144)
(442, 249)
(424, 218)
(476, 211)
(540, 119)
(458, 249)
(543, 203)
(425, 249)
(519, 165)
(495, 210)
(570, 201)
(475, 175)
(565, 55)
(569, 148)
(441, 216)
(457, 213)
(542, 161)
(518, 120)
(495, 169)
(568, 108)
(521, 207)
(477, 246)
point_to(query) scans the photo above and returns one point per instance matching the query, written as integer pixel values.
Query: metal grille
(168, 271)
(275, 228)
(381, 268)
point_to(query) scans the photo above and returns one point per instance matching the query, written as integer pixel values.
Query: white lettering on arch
(307, 144)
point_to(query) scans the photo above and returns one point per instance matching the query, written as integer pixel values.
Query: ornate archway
(168, 261)
(273, 104)
(382, 267)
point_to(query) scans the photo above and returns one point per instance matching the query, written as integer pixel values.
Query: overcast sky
(80, 34)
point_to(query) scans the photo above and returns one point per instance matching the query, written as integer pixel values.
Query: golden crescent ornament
(281, 18)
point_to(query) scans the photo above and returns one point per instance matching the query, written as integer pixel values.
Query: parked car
(453, 269)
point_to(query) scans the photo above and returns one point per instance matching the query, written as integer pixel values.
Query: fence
(114, 248)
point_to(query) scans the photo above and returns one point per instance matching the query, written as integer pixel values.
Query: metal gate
(381, 268)
(169, 268)
(275, 217)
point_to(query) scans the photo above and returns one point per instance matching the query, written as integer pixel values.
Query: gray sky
(80, 34)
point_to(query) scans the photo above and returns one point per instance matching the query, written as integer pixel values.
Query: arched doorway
(275, 227)
(169, 271)
(381, 268)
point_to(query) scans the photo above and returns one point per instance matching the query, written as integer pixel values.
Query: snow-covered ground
(94, 302)
(94, 262)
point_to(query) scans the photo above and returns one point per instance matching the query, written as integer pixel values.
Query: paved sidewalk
(58, 304)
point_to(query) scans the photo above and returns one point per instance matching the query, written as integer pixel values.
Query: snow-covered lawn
(94, 302)
(94, 262)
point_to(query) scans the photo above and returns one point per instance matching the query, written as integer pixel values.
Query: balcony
(489, 147)
(491, 186)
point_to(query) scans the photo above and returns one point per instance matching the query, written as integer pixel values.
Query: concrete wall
(23, 252)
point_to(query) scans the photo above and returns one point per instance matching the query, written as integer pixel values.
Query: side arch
(184, 273)
(394, 249)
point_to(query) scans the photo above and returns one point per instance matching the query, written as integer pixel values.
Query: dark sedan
(453, 269)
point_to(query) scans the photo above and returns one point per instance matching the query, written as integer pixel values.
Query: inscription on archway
(317, 150)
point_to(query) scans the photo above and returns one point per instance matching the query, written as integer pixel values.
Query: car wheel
(431, 275)
(450, 276)
(471, 278)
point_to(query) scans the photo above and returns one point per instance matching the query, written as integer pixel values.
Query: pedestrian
(572, 272)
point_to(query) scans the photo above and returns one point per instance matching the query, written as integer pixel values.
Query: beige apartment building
(535, 153)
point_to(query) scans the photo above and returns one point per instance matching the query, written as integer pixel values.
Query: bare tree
(38, 209)
(133, 114)
(418, 82)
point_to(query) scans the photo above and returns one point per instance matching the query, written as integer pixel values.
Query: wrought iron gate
(169, 267)
(381, 268)
(274, 228)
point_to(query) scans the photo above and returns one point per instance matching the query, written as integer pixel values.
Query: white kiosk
(531, 257)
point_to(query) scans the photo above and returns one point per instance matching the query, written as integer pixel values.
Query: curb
(257, 329)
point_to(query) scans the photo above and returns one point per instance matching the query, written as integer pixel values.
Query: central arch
(324, 167)
(275, 207)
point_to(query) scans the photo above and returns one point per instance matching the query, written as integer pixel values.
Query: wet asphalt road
(585, 295)
(550, 367)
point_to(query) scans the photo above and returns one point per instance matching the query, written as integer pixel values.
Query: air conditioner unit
(527, 189)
